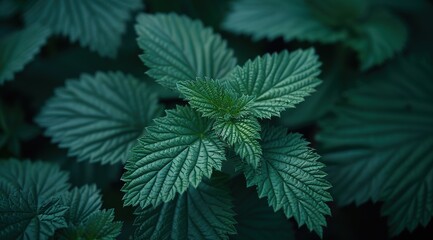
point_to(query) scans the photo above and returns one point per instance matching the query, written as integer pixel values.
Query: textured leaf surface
(292, 179)
(212, 99)
(19, 48)
(379, 38)
(101, 225)
(290, 19)
(97, 24)
(29, 207)
(379, 143)
(255, 219)
(202, 213)
(177, 48)
(82, 202)
(174, 154)
(243, 134)
(99, 117)
(277, 81)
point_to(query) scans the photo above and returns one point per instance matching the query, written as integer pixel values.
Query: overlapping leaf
(277, 81)
(29, 203)
(97, 24)
(244, 135)
(177, 48)
(202, 213)
(19, 48)
(174, 154)
(379, 38)
(290, 19)
(292, 179)
(213, 100)
(379, 144)
(99, 117)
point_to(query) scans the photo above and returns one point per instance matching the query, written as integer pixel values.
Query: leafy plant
(205, 144)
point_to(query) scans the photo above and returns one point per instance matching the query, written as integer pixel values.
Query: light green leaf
(99, 117)
(277, 81)
(177, 48)
(213, 100)
(377, 39)
(29, 203)
(290, 19)
(97, 24)
(378, 144)
(255, 219)
(174, 154)
(19, 48)
(243, 134)
(202, 213)
(292, 179)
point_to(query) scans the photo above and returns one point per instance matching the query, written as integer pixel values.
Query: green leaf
(99, 117)
(202, 213)
(101, 225)
(82, 202)
(84, 218)
(277, 81)
(290, 19)
(19, 48)
(29, 203)
(378, 144)
(255, 219)
(292, 179)
(174, 154)
(177, 48)
(378, 38)
(96, 24)
(213, 100)
(243, 134)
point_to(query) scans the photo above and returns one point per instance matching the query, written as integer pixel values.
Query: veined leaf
(202, 213)
(379, 144)
(101, 225)
(19, 48)
(97, 24)
(277, 81)
(82, 202)
(255, 219)
(99, 117)
(379, 38)
(212, 99)
(292, 179)
(29, 203)
(290, 19)
(174, 154)
(243, 134)
(177, 48)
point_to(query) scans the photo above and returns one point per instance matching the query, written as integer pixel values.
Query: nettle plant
(177, 172)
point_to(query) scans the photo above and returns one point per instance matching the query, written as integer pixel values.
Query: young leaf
(379, 38)
(213, 100)
(174, 154)
(99, 117)
(19, 48)
(243, 134)
(202, 213)
(378, 144)
(277, 81)
(177, 48)
(82, 202)
(290, 19)
(255, 219)
(97, 24)
(292, 179)
(29, 203)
